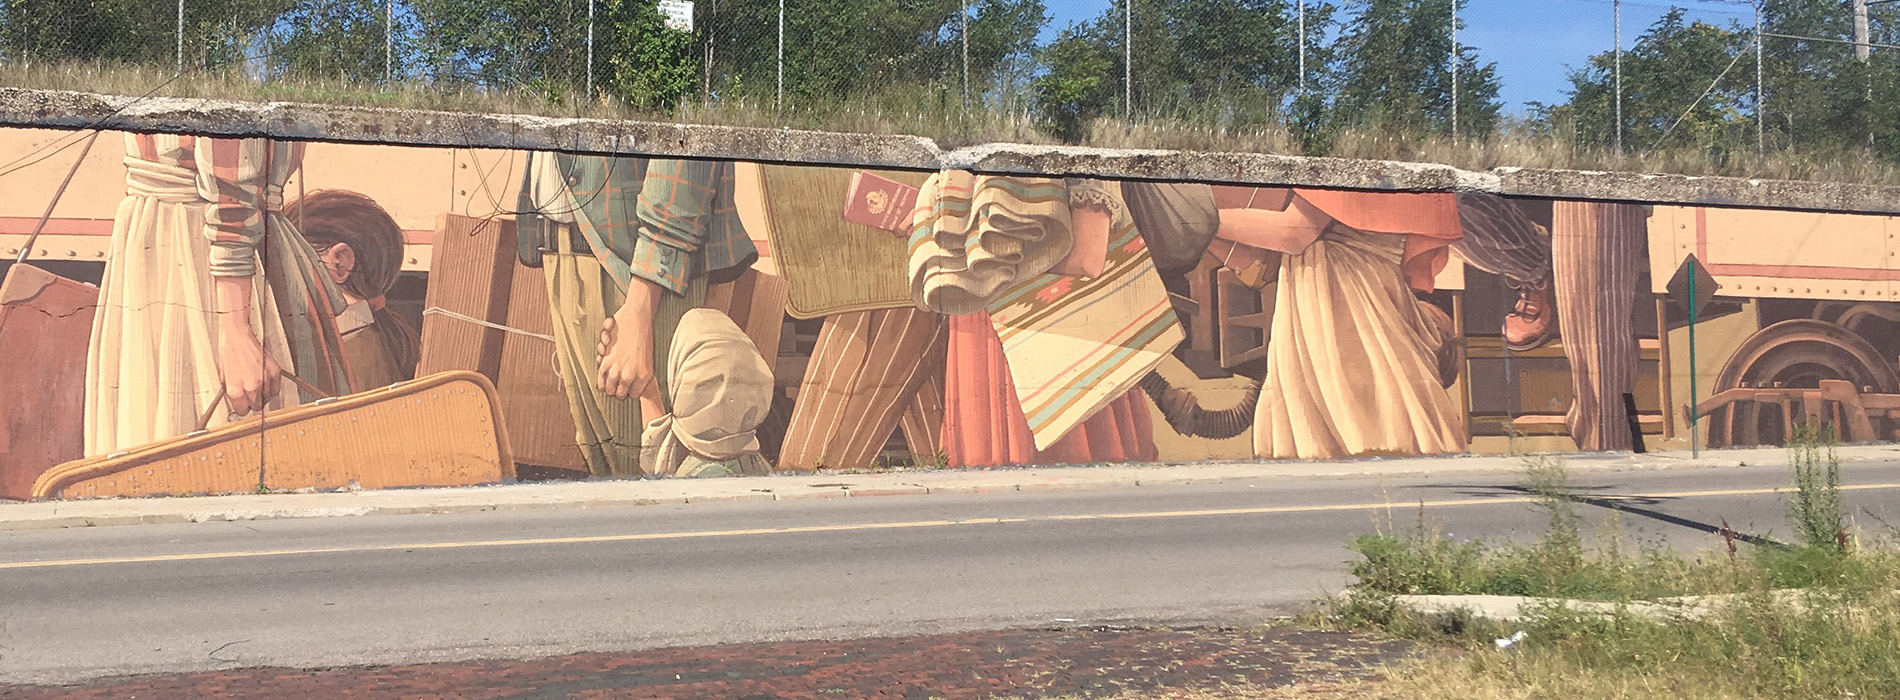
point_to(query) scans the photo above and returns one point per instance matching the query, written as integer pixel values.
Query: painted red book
(880, 202)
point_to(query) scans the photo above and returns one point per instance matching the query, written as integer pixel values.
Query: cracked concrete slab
(406, 127)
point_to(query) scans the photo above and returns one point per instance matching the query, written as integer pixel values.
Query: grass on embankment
(1819, 618)
(921, 110)
(937, 112)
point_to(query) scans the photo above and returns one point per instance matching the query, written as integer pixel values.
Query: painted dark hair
(329, 217)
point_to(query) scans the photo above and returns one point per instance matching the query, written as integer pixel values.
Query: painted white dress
(1352, 361)
(195, 209)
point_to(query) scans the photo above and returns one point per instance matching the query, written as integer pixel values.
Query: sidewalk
(609, 493)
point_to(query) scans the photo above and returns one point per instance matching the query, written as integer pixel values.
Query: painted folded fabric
(721, 390)
(1076, 344)
(973, 236)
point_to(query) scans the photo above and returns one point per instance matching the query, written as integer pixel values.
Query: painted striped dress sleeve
(233, 179)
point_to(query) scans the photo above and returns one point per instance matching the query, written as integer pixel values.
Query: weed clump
(1815, 508)
(1766, 619)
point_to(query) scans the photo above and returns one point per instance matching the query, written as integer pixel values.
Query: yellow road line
(1265, 510)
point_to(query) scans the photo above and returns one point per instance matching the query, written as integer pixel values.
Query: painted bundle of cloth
(1073, 344)
(972, 236)
(720, 391)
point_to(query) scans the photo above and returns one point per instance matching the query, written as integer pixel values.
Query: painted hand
(626, 358)
(251, 376)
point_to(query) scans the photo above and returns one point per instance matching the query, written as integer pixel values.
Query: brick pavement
(1018, 664)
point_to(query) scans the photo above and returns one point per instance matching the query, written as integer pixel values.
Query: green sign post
(1695, 414)
(1692, 288)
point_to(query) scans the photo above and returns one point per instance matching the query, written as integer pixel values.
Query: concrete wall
(1034, 305)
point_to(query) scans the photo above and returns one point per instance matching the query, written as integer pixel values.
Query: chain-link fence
(1717, 76)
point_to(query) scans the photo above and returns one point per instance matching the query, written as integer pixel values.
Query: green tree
(1884, 82)
(1670, 65)
(1240, 54)
(1820, 96)
(217, 34)
(329, 38)
(648, 65)
(1393, 72)
(835, 50)
(509, 44)
(1002, 49)
(1077, 87)
(1222, 63)
(541, 46)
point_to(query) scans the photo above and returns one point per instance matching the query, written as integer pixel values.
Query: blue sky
(1534, 42)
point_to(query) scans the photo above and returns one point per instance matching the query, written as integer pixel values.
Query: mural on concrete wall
(206, 315)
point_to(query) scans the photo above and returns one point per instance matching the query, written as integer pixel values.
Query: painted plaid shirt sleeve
(235, 178)
(686, 209)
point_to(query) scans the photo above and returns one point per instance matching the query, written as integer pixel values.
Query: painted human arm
(1093, 207)
(676, 197)
(682, 208)
(233, 178)
(1091, 224)
(249, 373)
(234, 181)
(678, 202)
(1288, 231)
(626, 348)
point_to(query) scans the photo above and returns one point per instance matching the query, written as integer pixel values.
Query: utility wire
(1830, 41)
(1705, 93)
(39, 155)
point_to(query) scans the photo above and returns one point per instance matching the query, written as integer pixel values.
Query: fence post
(1302, 12)
(1863, 50)
(1761, 141)
(1862, 31)
(590, 50)
(712, 15)
(389, 40)
(181, 37)
(1454, 70)
(778, 102)
(963, 35)
(1128, 60)
(1619, 77)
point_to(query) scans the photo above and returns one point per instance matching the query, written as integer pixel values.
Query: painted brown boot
(1533, 322)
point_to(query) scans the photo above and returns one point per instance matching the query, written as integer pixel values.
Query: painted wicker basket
(444, 429)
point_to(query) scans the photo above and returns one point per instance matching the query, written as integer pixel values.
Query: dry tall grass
(1461, 678)
(1518, 146)
(916, 110)
(937, 113)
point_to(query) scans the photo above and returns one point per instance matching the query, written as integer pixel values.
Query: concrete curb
(1512, 608)
(627, 493)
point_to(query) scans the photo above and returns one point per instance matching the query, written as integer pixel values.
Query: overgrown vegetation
(1816, 618)
(1815, 507)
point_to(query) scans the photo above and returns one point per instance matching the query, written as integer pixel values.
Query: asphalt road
(319, 592)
